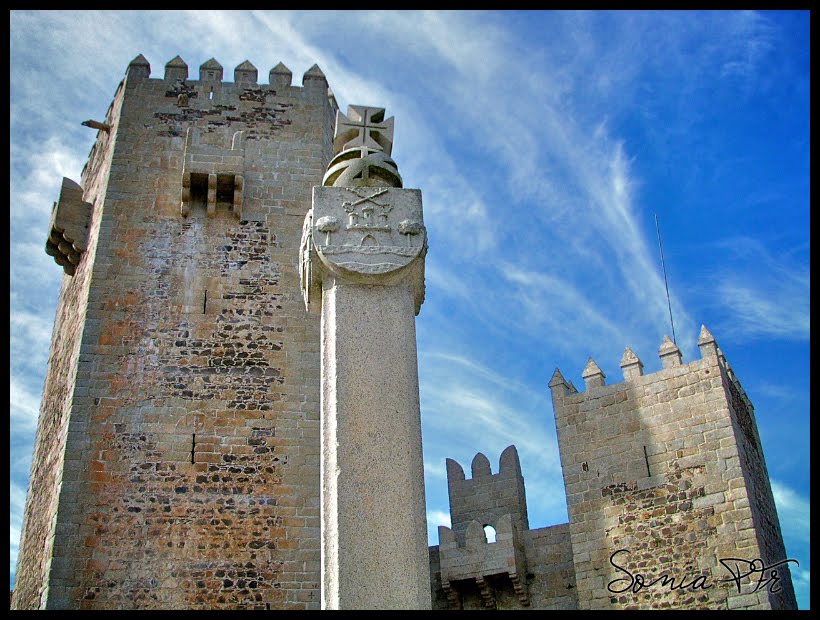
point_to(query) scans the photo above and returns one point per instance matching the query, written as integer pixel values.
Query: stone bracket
(453, 599)
(487, 594)
(520, 590)
(68, 230)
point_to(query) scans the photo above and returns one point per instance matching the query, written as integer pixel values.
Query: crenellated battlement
(212, 72)
(624, 432)
(487, 497)
(632, 368)
(495, 500)
(673, 368)
(182, 243)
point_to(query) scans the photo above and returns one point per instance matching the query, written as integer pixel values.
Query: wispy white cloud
(32, 332)
(471, 417)
(468, 407)
(45, 168)
(24, 407)
(555, 304)
(758, 310)
(794, 512)
(773, 300)
(772, 390)
(435, 470)
(438, 517)
(577, 176)
(801, 577)
(751, 37)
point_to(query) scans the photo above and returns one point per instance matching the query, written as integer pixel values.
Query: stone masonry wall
(655, 486)
(485, 496)
(551, 573)
(49, 468)
(753, 465)
(194, 431)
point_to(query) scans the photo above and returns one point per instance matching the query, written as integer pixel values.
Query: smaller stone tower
(521, 568)
(665, 475)
(494, 500)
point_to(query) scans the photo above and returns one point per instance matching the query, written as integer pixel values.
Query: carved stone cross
(363, 126)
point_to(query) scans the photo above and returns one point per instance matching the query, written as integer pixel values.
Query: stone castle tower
(177, 459)
(664, 475)
(176, 463)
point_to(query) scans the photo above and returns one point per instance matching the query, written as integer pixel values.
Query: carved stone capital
(367, 235)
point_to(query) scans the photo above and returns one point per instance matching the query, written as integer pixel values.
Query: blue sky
(544, 144)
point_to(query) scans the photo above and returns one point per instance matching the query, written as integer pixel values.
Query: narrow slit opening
(646, 458)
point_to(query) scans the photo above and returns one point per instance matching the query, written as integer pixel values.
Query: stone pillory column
(363, 249)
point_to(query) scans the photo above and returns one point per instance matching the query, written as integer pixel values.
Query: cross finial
(363, 126)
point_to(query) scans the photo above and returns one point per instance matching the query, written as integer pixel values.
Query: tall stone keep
(176, 463)
(363, 267)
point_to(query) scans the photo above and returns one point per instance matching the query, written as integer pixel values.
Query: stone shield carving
(367, 231)
(371, 235)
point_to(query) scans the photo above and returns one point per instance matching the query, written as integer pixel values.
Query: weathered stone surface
(362, 166)
(176, 69)
(593, 375)
(210, 70)
(631, 365)
(380, 231)
(363, 126)
(522, 568)
(669, 353)
(245, 72)
(373, 480)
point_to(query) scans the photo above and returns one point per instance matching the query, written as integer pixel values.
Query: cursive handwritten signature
(637, 581)
(756, 566)
(736, 567)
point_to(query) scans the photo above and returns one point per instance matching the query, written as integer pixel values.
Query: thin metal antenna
(665, 280)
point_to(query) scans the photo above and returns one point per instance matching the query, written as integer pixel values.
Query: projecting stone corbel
(68, 231)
